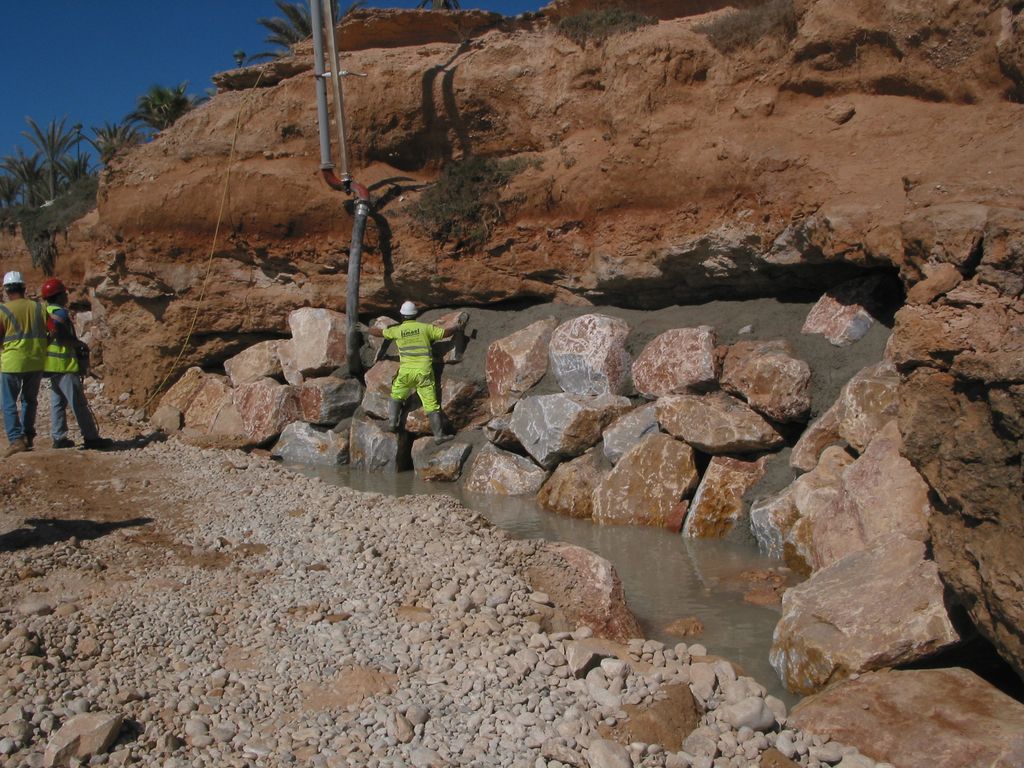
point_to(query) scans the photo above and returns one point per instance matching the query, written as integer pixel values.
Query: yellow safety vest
(60, 358)
(413, 339)
(23, 323)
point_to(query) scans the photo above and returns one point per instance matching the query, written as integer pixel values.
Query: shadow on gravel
(53, 531)
(139, 441)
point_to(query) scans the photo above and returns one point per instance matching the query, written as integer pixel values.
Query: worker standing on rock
(64, 372)
(415, 368)
(23, 330)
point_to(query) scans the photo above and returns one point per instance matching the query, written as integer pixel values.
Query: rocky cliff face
(658, 169)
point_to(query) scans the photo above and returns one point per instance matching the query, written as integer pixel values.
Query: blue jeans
(66, 389)
(26, 386)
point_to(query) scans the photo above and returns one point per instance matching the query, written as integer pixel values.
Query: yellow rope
(213, 246)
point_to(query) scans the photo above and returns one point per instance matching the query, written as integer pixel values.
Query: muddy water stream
(665, 576)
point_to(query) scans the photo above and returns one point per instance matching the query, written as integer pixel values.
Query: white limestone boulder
(627, 430)
(441, 463)
(256, 362)
(302, 443)
(328, 399)
(588, 355)
(374, 450)
(318, 344)
(556, 427)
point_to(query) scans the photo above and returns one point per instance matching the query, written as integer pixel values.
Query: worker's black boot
(437, 427)
(394, 415)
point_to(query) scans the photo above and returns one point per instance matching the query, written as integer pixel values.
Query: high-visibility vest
(60, 356)
(413, 339)
(23, 323)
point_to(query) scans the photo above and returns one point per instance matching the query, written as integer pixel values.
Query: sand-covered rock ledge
(219, 610)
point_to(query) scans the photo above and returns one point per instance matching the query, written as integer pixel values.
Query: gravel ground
(234, 613)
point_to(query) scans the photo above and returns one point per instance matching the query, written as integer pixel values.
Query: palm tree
(73, 169)
(53, 143)
(160, 107)
(27, 170)
(110, 138)
(440, 5)
(296, 25)
(10, 188)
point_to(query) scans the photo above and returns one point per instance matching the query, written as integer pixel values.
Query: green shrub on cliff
(746, 27)
(598, 25)
(465, 202)
(40, 226)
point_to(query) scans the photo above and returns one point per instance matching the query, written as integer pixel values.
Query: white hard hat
(13, 278)
(408, 309)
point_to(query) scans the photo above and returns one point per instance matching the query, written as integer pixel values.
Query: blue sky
(89, 60)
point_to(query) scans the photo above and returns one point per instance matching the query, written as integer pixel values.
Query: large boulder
(317, 346)
(851, 617)
(585, 587)
(266, 407)
(569, 491)
(81, 738)
(180, 394)
(212, 402)
(647, 483)
(770, 378)
(716, 423)
(676, 361)
(556, 427)
(866, 403)
(845, 314)
(329, 399)
(378, 388)
(375, 450)
(256, 362)
(881, 496)
(718, 503)
(517, 362)
(499, 432)
(921, 718)
(498, 472)
(588, 355)
(302, 443)
(627, 430)
(461, 403)
(439, 462)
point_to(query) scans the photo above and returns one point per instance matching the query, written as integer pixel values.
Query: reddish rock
(866, 403)
(556, 427)
(378, 388)
(882, 496)
(922, 718)
(213, 395)
(647, 483)
(768, 376)
(716, 423)
(329, 399)
(588, 355)
(718, 503)
(570, 488)
(835, 624)
(498, 472)
(676, 361)
(845, 313)
(439, 462)
(677, 516)
(317, 345)
(256, 362)
(939, 279)
(585, 587)
(184, 389)
(266, 407)
(81, 737)
(517, 362)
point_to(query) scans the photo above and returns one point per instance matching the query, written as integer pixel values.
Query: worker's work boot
(437, 427)
(18, 445)
(394, 416)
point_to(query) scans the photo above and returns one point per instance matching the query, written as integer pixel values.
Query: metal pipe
(353, 339)
(335, 74)
(321, 89)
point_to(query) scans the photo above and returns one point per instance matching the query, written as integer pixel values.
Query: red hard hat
(52, 287)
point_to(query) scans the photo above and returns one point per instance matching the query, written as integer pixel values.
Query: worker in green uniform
(415, 368)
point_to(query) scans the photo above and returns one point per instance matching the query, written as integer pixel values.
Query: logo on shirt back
(410, 332)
